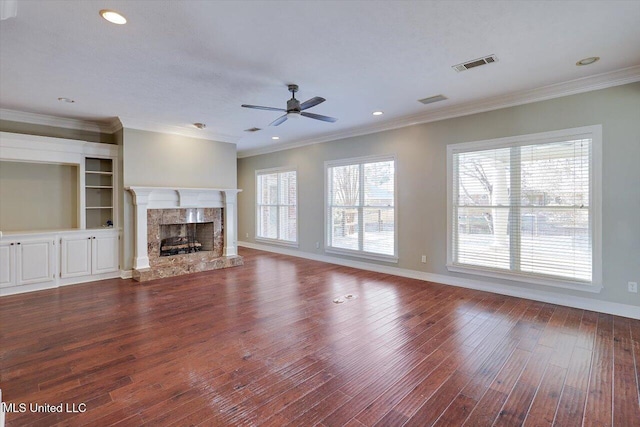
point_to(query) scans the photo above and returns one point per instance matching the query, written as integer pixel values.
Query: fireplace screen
(178, 239)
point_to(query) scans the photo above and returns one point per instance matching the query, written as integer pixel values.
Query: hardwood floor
(265, 345)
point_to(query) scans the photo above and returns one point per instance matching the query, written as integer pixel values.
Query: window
(277, 205)
(528, 208)
(361, 215)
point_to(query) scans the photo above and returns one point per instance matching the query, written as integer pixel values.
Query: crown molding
(111, 126)
(187, 130)
(558, 90)
(60, 122)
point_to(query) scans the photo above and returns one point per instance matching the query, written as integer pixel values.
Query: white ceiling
(179, 62)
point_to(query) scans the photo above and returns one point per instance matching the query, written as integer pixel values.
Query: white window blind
(525, 207)
(276, 204)
(361, 207)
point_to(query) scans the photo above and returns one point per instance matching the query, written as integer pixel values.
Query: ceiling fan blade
(311, 103)
(318, 117)
(279, 120)
(258, 107)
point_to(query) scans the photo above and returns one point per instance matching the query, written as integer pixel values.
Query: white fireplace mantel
(145, 198)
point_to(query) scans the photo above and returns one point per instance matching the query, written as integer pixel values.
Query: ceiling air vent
(252, 130)
(475, 63)
(432, 99)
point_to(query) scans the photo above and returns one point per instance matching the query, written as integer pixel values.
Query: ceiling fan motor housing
(293, 106)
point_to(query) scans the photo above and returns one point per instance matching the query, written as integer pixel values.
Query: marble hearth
(167, 208)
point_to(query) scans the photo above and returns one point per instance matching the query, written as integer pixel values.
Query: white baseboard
(625, 310)
(126, 274)
(20, 289)
(87, 279)
(58, 282)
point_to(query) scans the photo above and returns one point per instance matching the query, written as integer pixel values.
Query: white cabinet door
(35, 261)
(7, 264)
(105, 254)
(75, 259)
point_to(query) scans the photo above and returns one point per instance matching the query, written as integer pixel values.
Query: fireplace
(178, 239)
(172, 232)
(193, 231)
(182, 231)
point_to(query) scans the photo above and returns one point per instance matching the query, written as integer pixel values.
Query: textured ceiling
(179, 62)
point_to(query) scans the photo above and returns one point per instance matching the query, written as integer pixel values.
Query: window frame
(361, 161)
(593, 132)
(270, 171)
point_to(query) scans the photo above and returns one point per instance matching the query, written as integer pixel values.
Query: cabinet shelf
(105, 187)
(98, 172)
(99, 207)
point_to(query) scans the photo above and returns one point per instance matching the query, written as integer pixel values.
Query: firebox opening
(176, 239)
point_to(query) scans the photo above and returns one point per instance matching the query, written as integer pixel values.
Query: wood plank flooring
(264, 344)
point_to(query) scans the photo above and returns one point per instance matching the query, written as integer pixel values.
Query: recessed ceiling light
(67, 100)
(113, 16)
(200, 125)
(588, 61)
(378, 113)
(275, 138)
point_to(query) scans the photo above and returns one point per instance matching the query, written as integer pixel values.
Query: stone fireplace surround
(161, 205)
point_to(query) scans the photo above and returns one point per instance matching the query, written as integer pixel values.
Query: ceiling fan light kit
(113, 17)
(295, 109)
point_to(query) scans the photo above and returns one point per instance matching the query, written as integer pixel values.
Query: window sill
(365, 255)
(523, 278)
(277, 242)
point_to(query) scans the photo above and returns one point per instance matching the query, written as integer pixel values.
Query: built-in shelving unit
(34, 258)
(98, 192)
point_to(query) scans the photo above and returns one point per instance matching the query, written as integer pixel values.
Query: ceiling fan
(295, 109)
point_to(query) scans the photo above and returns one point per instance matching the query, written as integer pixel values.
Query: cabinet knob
(18, 243)
(11, 244)
(88, 238)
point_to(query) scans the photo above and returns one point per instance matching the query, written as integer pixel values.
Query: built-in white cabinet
(32, 259)
(97, 181)
(27, 262)
(35, 261)
(84, 254)
(105, 253)
(75, 256)
(7, 264)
